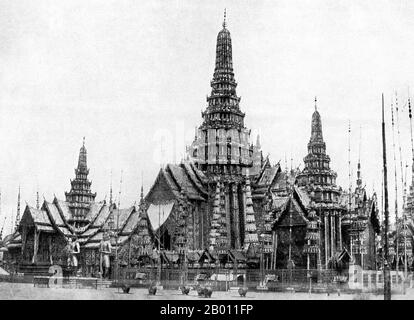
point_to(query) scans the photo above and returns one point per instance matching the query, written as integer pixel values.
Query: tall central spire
(82, 162)
(80, 195)
(223, 104)
(316, 132)
(317, 162)
(222, 143)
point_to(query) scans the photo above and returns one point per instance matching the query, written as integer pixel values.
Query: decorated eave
(127, 223)
(53, 217)
(12, 241)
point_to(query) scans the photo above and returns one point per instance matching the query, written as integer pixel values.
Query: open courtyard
(26, 291)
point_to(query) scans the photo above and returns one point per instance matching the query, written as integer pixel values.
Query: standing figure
(105, 251)
(74, 250)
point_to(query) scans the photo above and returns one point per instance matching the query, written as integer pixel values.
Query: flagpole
(387, 282)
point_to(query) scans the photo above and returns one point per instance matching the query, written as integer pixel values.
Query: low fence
(223, 279)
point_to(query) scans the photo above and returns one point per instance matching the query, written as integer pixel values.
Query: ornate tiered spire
(80, 195)
(316, 133)
(222, 142)
(223, 86)
(144, 238)
(317, 169)
(250, 236)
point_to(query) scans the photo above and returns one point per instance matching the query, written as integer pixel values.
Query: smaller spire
(224, 21)
(37, 200)
(84, 141)
(258, 145)
(110, 191)
(142, 188)
(18, 210)
(316, 109)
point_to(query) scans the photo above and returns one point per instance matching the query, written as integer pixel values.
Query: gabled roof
(268, 174)
(303, 196)
(298, 215)
(236, 255)
(211, 256)
(179, 175)
(102, 216)
(196, 176)
(36, 216)
(131, 222)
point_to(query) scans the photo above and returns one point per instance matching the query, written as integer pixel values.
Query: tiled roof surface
(102, 216)
(181, 179)
(54, 213)
(303, 196)
(132, 222)
(63, 205)
(39, 216)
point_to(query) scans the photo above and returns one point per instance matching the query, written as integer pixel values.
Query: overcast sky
(130, 74)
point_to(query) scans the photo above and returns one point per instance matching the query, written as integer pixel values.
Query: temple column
(228, 214)
(36, 245)
(194, 228)
(340, 230)
(24, 237)
(332, 227)
(49, 240)
(235, 210)
(326, 239)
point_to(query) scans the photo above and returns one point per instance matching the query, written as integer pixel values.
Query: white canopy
(159, 213)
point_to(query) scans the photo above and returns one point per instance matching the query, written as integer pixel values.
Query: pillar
(326, 226)
(235, 210)
(228, 213)
(36, 245)
(340, 230)
(332, 226)
(275, 251)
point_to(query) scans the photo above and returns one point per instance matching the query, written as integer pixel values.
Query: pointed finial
(224, 21)
(110, 191)
(83, 141)
(142, 187)
(316, 109)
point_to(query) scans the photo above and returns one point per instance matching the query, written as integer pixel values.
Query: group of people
(105, 250)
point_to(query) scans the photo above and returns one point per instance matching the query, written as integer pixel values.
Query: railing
(227, 278)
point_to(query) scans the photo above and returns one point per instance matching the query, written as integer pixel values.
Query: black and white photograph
(181, 151)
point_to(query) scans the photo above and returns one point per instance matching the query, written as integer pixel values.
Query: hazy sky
(130, 74)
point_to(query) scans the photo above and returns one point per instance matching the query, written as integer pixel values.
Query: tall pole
(159, 246)
(396, 193)
(350, 193)
(117, 231)
(387, 282)
(403, 188)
